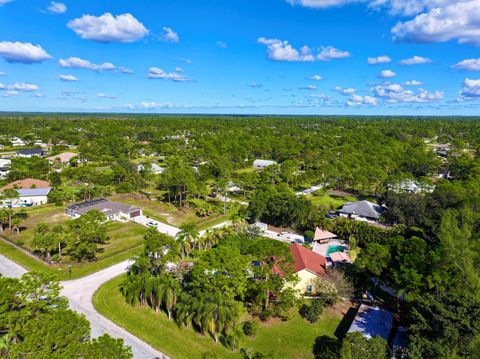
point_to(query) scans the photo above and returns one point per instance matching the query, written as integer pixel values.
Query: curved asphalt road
(80, 294)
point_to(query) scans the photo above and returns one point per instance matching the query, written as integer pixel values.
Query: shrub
(250, 328)
(312, 311)
(265, 314)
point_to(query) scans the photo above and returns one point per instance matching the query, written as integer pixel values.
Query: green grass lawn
(290, 339)
(126, 240)
(330, 201)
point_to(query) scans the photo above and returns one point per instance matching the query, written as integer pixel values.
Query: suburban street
(80, 294)
(10, 269)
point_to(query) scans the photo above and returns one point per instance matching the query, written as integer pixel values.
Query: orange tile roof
(27, 183)
(307, 259)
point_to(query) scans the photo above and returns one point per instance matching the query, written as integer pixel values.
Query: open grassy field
(168, 213)
(126, 240)
(294, 338)
(330, 201)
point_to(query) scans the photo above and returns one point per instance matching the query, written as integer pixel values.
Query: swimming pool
(333, 249)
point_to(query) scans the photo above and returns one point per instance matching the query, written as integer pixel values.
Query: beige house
(308, 266)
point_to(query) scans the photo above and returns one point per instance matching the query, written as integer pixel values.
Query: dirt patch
(341, 308)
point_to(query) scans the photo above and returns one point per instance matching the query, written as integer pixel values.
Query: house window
(309, 288)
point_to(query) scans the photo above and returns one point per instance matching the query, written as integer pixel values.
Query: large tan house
(308, 266)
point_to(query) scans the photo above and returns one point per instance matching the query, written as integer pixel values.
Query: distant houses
(362, 211)
(113, 211)
(410, 186)
(17, 142)
(5, 164)
(154, 168)
(31, 152)
(259, 164)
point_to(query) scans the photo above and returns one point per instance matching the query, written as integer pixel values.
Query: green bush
(250, 328)
(312, 311)
(265, 314)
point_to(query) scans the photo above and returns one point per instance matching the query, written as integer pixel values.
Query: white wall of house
(34, 200)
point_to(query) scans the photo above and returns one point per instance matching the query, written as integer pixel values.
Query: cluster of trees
(354, 154)
(233, 276)
(280, 206)
(434, 263)
(35, 322)
(80, 239)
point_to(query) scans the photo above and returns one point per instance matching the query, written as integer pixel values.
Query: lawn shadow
(325, 347)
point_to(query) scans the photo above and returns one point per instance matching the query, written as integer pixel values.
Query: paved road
(310, 190)
(80, 293)
(10, 269)
(162, 227)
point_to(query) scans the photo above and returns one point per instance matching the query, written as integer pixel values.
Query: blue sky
(241, 56)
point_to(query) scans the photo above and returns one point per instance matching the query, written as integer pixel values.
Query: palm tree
(134, 287)
(187, 237)
(3, 217)
(168, 291)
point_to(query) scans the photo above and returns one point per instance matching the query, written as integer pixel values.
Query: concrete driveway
(162, 227)
(80, 294)
(10, 269)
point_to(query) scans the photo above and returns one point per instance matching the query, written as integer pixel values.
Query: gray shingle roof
(363, 208)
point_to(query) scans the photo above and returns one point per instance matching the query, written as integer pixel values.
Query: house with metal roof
(31, 152)
(372, 322)
(113, 211)
(362, 211)
(28, 197)
(263, 163)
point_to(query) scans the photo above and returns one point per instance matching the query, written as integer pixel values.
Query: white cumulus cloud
(315, 78)
(78, 63)
(357, 100)
(395, 93)
(3, 2)
(413, 83)
(57, 7)
(329, 53)
(279, 50)
(68, 78)
(468, 65)
(319, 4)
(386, 74)
(470, 90)
(169, 35)
(22, 52)
(345, 91)
(448, 20)
(416, 60)
(19, 87)
(308, 87)
(109, 28)
(379, 60)
(151, 105)
(158, 73)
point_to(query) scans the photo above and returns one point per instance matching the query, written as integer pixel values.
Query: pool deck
(322, 249)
